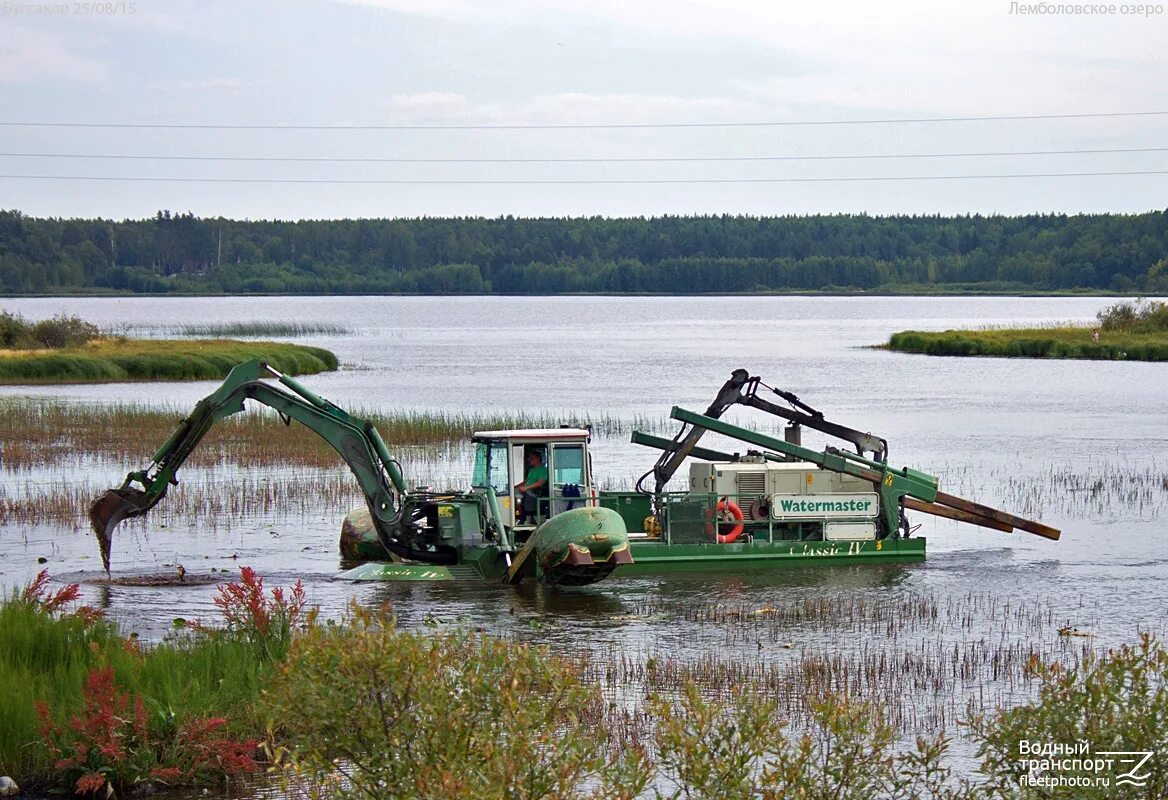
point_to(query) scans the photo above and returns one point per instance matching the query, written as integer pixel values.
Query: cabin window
(567, 470)
(490, 467)
(569, 465)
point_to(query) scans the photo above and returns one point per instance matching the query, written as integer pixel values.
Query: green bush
(400, 714)
(13, 329)
(725, 750)
(60, 331)
(1142, 316)
(1117, 701)
(63, 331)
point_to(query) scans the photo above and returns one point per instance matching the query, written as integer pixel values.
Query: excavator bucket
(111, 508)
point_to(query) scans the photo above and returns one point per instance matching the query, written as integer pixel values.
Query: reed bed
(1080, 490)
(253, 329)
(931, 662)
(36, 434)
(1107, 490)
(211, 500)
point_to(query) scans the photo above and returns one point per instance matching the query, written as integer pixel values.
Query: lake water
(1012, 433)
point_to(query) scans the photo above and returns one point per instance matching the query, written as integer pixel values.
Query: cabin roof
(534, 433)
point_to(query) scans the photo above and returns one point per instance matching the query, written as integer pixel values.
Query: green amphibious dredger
(778, 504)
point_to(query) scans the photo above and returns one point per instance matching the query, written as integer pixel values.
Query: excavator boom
(356, 440)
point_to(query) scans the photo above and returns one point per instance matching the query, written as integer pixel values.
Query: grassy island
(1126, 332)
(71, 350)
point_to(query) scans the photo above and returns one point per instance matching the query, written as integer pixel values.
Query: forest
(182, 253)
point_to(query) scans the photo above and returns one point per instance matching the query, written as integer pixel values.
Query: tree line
(507, 255)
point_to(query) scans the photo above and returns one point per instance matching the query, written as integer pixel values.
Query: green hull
(648, 556)
(657, 557)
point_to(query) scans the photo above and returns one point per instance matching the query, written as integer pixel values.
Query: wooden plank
(954, 513)
(1030, 526)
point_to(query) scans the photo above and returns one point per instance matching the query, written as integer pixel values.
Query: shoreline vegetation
(335, 709)
(883, 290)
(40, 432)
(1126, 332)
(180, 253)
(68, 349)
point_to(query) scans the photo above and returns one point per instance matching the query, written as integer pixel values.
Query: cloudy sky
(422, 92)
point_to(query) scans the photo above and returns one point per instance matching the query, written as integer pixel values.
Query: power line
(598, 181)
(570, 126)
(582, 160)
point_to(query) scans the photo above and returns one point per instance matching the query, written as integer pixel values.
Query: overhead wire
(580, 160)
(569, 125)
(580, 181)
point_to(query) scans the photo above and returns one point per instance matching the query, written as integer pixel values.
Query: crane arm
(356, 440)
(742, 389)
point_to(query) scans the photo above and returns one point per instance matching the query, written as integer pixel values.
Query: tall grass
(106, 360)
(257, 328)
(1065, 342)
(43, 433)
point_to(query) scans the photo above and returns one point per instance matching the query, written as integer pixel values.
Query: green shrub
(1117, 701)
(60, 331)
(399, 714)
(730, 749)
(1142, 316)
(63, 331)
(13, 329)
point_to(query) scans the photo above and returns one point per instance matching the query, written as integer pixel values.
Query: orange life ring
(726, 505)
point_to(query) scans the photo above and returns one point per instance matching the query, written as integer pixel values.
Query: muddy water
(1081, 445)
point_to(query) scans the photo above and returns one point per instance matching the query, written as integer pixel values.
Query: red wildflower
(89, 783)
(37, 594)
(166, 774)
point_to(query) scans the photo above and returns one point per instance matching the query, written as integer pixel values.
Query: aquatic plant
(398, 714)
(37, 433)
(257, 328)
(1113, 701)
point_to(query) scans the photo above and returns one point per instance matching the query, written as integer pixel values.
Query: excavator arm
(356, 440)
(743, 389)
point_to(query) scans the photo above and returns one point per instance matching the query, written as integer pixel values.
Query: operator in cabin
(534, 486)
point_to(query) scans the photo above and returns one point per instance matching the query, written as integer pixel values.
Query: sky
(787, 102)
